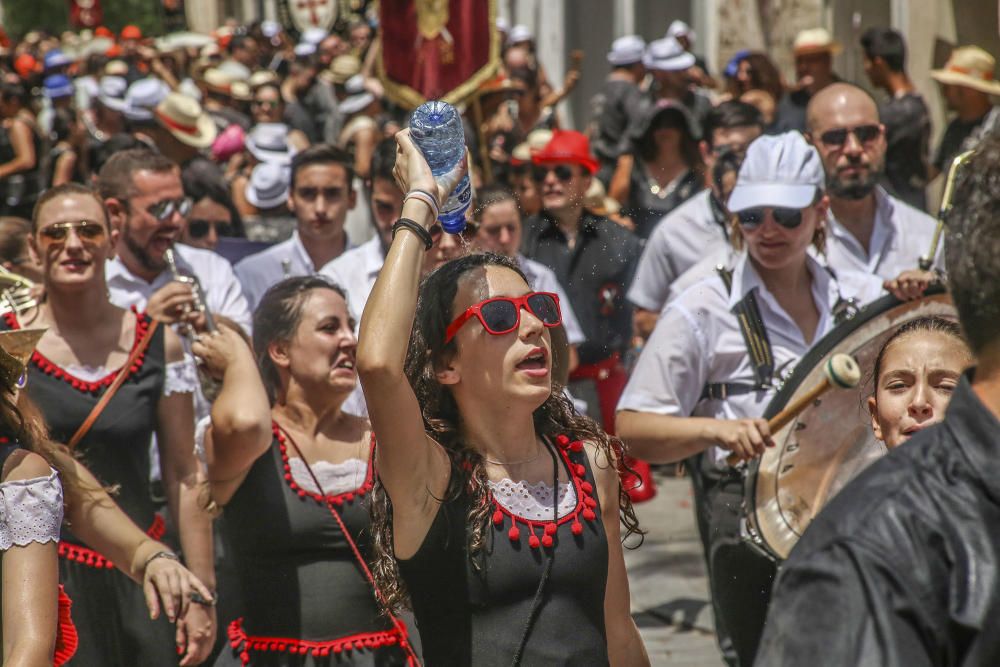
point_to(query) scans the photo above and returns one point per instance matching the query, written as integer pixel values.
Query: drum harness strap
(758, 344)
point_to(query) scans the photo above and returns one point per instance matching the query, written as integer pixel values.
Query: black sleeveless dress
(307, 602)
(109, 609)
(469, 616)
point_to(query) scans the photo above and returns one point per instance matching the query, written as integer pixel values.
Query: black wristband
(416, 228)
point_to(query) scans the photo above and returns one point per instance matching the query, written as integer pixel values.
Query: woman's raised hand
(413, 173)
(217, 350)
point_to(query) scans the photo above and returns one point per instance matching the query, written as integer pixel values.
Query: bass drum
(830, 441)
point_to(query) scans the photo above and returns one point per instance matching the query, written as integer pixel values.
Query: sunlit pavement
(668, 581)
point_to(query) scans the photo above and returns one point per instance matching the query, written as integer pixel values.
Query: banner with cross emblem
(436, 49)
(301, 15)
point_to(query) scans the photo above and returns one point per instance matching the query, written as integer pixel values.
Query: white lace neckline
(335, 478)
(533, 501)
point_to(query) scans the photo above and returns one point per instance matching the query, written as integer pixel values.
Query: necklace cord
(536, 603)
(400, 626)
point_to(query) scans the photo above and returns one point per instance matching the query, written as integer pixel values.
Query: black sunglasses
(865, 134)
(199, 229)
(563, 172)
(752, 218)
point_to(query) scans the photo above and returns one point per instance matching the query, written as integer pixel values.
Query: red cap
(25, 65)
(567, 146)
(131, 32)
(113, 51)
(103, 31)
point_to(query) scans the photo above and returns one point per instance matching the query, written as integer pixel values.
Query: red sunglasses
(502, 314)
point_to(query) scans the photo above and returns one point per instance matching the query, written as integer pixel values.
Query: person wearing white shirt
(697, 390)
(869, 229)
(138, 275)
(698, 227)
(321, 194)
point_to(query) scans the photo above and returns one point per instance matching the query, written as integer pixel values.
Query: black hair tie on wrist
(416, 228)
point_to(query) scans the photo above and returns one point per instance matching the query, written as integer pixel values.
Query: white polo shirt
(680, 240)
(268, 267)
(222, 290)
(900, 237)
(698, 341)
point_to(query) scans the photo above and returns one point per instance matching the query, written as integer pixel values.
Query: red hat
(131, 32)
(103, 31)
(567, 146)
(25, 65)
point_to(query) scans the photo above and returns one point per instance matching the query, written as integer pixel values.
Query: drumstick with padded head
(841, 371)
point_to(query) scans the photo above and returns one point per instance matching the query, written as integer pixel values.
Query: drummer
(914, 375)
(697, 390)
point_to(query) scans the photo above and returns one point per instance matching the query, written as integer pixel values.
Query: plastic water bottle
(436, 129)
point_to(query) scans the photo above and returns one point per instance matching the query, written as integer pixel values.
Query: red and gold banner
(85, 13)
(436, 49)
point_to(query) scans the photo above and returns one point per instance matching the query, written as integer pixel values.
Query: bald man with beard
(868, 230)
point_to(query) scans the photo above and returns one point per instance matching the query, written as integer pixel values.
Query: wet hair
(972, 246)
(62, 191)
(887, 44)
(442, 421)
(197, 187)
(116, 179)
(278, 317)
(488, 195)
(931, 323)
(729, 115)
(323, 154)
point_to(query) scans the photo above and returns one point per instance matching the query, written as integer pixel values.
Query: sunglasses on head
(199, 229)
(88, 231)
(164, 209)
(563, 172)
(502, 314)
(752, 218)
(865, 134)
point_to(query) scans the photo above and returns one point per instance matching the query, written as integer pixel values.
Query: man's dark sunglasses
(563, 172)
(199, 229)
(752, 218)
(865, 134)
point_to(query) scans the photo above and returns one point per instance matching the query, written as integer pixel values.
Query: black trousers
(739, 576)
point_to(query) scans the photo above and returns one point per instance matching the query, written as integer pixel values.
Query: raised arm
(241, 414)
(413, 468)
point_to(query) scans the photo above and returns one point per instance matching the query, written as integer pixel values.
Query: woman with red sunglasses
(496, 509)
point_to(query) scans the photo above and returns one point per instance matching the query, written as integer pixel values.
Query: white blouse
(31, 510)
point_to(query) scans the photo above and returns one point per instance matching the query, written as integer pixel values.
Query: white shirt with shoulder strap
(698, 341)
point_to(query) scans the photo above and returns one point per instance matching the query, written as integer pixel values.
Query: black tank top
(298, 575)
(470, 616)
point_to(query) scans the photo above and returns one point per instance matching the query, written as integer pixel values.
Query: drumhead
(831, 441)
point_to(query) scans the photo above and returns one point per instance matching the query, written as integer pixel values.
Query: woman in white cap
(704, 379)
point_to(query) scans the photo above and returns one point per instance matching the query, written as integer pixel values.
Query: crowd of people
(258, 408)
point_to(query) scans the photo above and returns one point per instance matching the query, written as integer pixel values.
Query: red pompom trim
(43, 364)
(67, 640)
(240, 641)
(92, 558)
(340, 498)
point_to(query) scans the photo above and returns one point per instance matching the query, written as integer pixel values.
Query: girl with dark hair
(213, 213)
(20, 152)
(666, 167)
(293, 473)
(497, 508)
(914, 375)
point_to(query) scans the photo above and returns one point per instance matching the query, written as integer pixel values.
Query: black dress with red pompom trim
(476, 616)
(306, 601)
(109, 609)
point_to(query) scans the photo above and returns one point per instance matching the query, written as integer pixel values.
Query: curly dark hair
(442, 422)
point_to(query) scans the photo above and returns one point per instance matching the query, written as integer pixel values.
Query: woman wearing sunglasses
(89, 344)
(704, 379)
(293, 473)
(497, 509)
(212, 216)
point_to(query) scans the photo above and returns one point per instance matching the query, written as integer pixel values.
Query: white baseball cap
(779, 170)
(627, 50)
(519, 33)
(667, 55)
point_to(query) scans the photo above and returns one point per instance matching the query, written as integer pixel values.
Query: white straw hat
(184, 118)
(667, 55)
(268, 185)
(268, 142)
